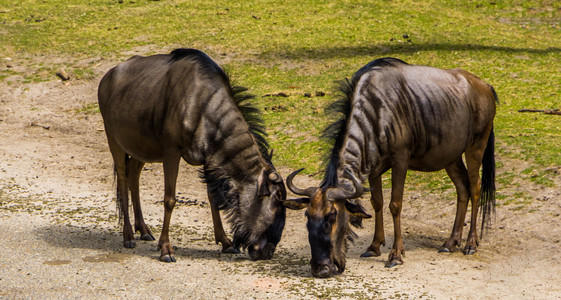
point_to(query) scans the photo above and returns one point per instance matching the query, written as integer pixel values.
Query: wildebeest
(165, 107)
(399, 116)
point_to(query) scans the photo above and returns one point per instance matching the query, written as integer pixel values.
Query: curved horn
(358, 185)
(342, 194)
(298, 191)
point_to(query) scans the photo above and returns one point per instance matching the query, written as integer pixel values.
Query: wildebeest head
(257, 213)
(329, 212)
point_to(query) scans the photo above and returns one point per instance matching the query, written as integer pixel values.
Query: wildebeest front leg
(399, 172)
(171, 166)
(219, 234)
(377, 200)
(134, 167)
(458, 173)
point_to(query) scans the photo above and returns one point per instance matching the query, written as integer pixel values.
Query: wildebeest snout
(261, 251)
(323, 269)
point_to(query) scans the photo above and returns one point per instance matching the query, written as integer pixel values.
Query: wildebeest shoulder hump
(203, 60)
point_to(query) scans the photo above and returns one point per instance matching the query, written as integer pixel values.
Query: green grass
(88, 109)
(299, 47)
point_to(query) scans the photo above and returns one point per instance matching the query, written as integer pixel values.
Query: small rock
(62, 74)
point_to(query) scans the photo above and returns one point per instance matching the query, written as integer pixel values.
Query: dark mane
(204, 62)
(381, 62)
(250, 113)
(335, 132)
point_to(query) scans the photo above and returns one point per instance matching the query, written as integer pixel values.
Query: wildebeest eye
(331, 217)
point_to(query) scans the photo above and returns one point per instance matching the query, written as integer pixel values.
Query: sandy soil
(61, 236)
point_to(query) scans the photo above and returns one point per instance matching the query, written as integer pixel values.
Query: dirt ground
(61, 236)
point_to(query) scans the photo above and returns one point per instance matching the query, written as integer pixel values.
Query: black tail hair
(487, 200)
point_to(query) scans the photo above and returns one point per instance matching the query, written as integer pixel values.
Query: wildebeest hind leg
(458, 173)
(219, 234)
(377, 200)
(134, 167)
(119, 157)
(474, 157)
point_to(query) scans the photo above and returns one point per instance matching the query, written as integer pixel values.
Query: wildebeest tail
(487, 200)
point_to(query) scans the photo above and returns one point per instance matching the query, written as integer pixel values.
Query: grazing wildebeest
(399, 116)
(162, 108)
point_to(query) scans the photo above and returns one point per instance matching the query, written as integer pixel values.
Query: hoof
(444, 250)
(370, 253)
(129, 244)
(147, 237)
(231, 250)
(469, 251)
(394, 263)
(167, 258)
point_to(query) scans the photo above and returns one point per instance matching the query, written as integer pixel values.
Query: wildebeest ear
(264, 187)
(356, 210)
(275, 177)
(296, 204)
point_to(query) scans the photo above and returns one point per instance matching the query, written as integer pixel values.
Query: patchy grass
(88, 109)
(290, 53)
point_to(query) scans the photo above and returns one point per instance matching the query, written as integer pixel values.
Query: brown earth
(61, 236)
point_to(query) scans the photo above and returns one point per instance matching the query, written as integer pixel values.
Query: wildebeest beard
(345, 235)
(244, 216)
(252, 225)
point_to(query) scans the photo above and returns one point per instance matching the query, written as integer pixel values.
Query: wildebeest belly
(437, 157)
(431, 163)
(136, 130)
(140, 146)
(439, 141)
